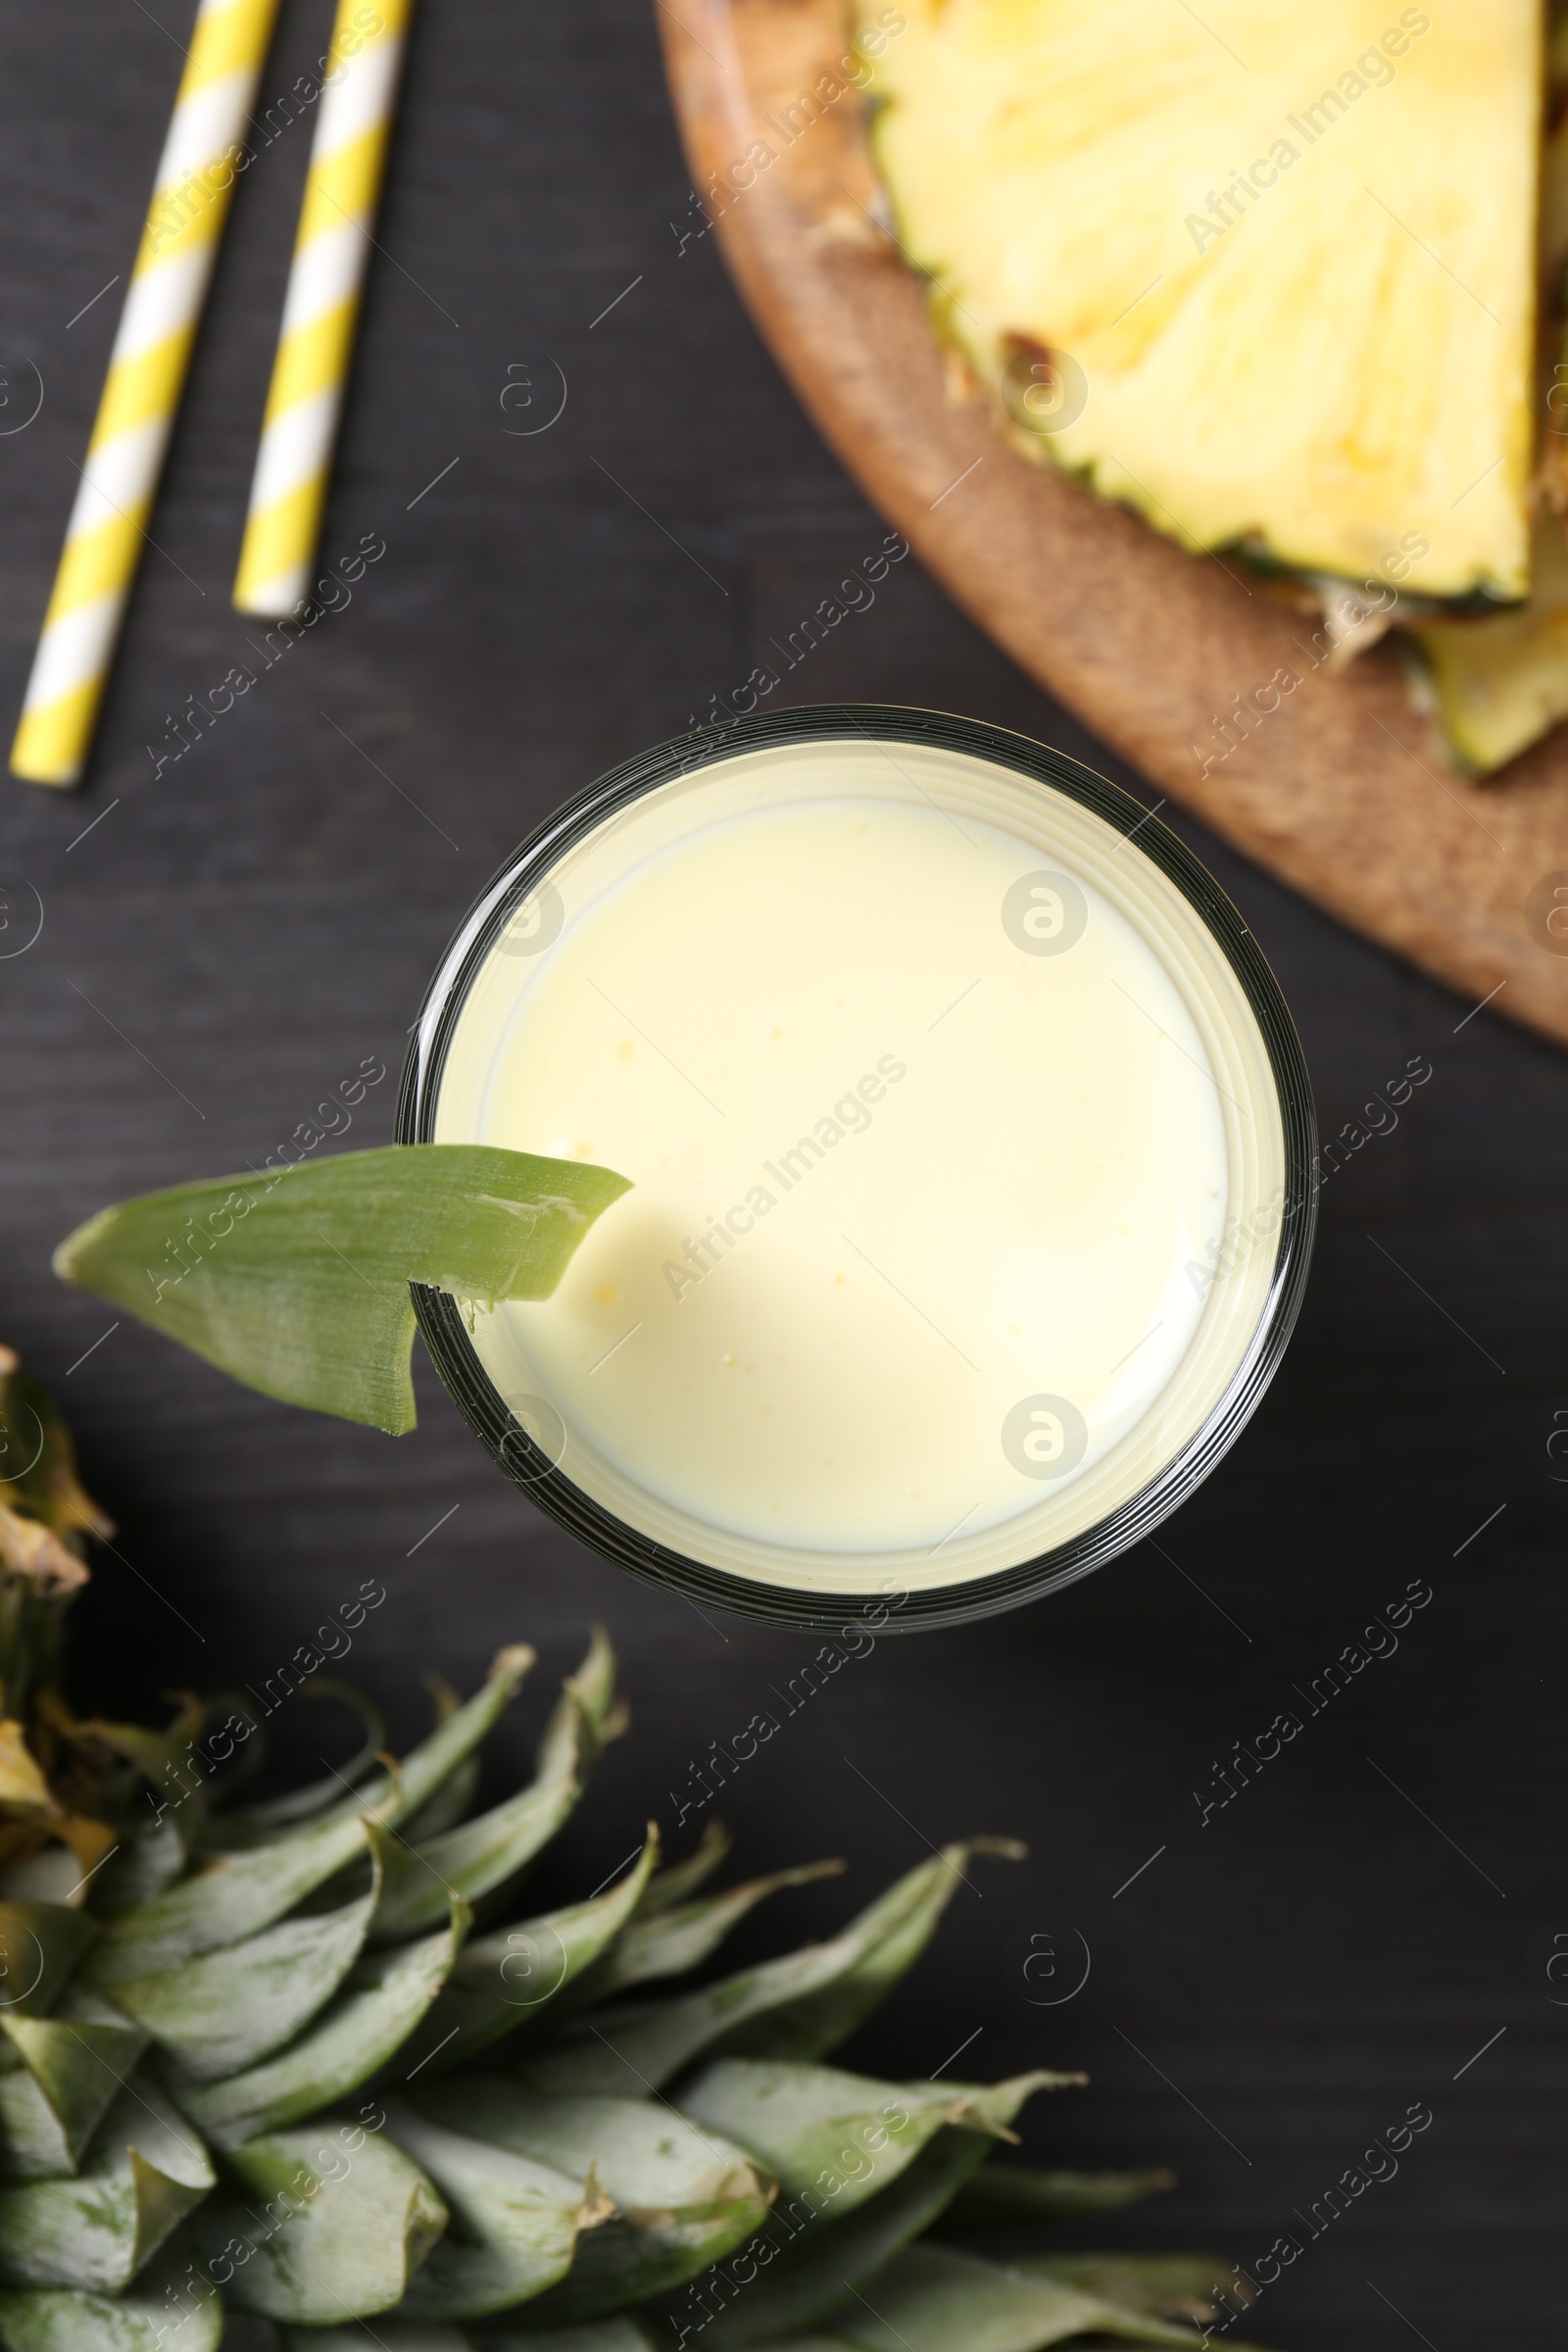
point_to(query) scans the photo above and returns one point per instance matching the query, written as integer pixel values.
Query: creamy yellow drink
(956, 1151)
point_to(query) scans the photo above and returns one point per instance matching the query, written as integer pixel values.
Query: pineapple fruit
(1287, 282)
(296, 2074)
(1498, 682)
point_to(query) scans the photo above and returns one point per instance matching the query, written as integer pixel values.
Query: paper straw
(146, 377)
(322, 308)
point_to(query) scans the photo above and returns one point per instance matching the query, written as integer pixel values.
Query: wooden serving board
(1343, 791)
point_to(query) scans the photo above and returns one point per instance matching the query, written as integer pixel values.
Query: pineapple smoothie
(957, 1157)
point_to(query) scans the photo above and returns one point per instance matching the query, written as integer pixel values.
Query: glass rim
(514, 1451)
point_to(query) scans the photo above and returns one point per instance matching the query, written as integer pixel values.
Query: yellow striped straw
(146, 377)
(321, 308)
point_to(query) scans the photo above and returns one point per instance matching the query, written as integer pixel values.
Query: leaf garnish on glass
(298, 1284)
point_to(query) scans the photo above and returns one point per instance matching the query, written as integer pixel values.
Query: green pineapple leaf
(818, 2256)
(296, 1283)
(509, 1980)
(334, 2219)
(397, 2335)
(671, 1941)
(1008, 2197)
(222, 2010)
(295, 1956)
(799, 2006)
(172, 2308)
(682, 2197)
(624, 2335)
(485, 1853)
(357, 2033)
(478, 1857)
(520, 2217)
(232, 1895)
(42, 1946)
(145, 2171)
(53, 2102)
(811, 2123)
(1174, 2286)
(935, 2299)
(682, 1878)
(252, 1825)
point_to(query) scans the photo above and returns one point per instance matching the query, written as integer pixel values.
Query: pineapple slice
(1267, 274)
(1500, 683)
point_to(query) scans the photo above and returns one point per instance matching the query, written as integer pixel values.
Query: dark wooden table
(1269, 1993)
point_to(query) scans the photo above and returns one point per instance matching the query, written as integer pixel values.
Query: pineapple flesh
(1498, 683)
(1268, 277)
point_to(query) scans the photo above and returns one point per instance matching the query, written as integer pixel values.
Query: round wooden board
(1343, 791)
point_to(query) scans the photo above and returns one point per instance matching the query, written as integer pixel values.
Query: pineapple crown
(287, 2074)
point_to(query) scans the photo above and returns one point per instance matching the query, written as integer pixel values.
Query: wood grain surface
(224, 944)
(1344, 791)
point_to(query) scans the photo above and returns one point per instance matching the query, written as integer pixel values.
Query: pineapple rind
(1500, 683)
